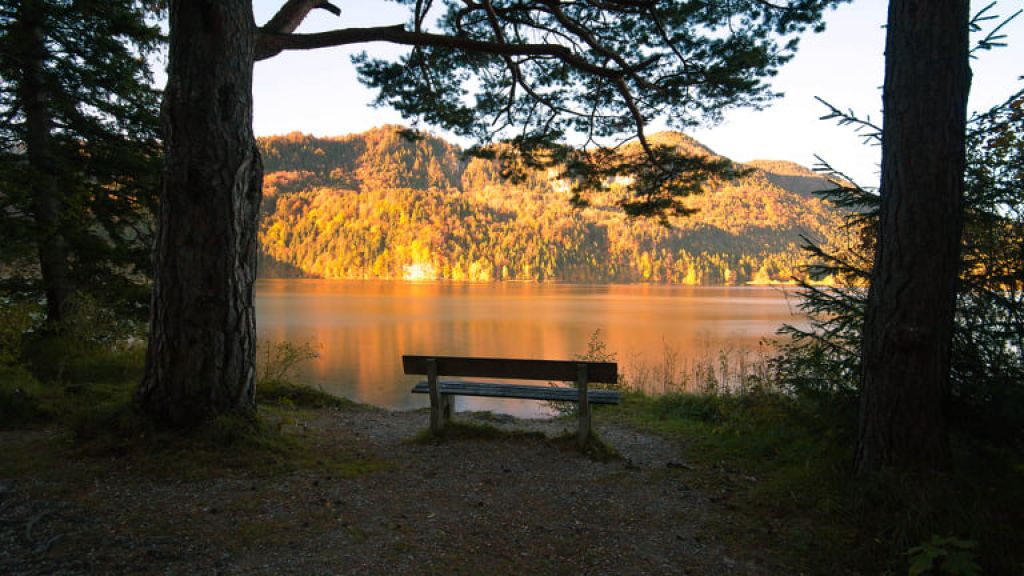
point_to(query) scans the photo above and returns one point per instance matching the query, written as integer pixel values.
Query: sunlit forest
(383, 205)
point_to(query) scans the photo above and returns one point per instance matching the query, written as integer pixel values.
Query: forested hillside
(381, 205)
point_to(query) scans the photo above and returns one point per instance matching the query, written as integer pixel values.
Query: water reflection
(365, 327)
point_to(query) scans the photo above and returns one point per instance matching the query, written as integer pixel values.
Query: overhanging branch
(287, 20)
(270, 43)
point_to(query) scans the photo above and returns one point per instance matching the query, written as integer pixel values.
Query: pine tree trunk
(201, 356)
(46, 201)
(909, 319)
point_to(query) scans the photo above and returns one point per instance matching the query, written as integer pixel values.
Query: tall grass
(725, 371)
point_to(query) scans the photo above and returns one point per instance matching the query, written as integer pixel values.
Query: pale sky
(317, 92)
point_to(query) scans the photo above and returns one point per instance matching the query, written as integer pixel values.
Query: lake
(658, 333)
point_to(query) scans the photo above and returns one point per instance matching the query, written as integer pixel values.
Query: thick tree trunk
(46, 201)
(909, 320)
(201, 356)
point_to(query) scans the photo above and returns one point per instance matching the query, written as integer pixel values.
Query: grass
(460, 430)
(19, 399)
(781, 469)
(292, 395)
(116, 441)
(778, 472)
(61, 384)
(87, 425)
(595, 448)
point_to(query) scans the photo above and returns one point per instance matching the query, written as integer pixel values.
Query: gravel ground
(508, 505)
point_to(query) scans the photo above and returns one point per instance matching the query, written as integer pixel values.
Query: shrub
(276, 361)
(16, 320)
(20, 402)
(987, 363)
(597, 351)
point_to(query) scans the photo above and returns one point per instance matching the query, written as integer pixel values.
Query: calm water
(364, 327)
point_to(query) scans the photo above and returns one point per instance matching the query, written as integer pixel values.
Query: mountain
(390, 204)
(791, 176)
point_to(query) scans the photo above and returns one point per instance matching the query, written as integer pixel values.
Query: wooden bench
(441, 391)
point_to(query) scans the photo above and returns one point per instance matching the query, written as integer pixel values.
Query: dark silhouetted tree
(908, 325)
(913, 369)
(79, 156)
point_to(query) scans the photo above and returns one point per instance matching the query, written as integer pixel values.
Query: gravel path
(510, 505)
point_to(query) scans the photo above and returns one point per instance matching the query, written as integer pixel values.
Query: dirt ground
(520, 504)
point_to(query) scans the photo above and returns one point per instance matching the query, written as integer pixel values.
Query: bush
(276, 361)
(112, 419)
(20, 403)
(94, 343)
(16, 320)
(597, 351)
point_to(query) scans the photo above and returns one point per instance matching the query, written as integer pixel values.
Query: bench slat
(492, 390)
(556, 370)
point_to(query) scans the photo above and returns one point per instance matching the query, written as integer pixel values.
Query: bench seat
(494, 390)
(442, 392)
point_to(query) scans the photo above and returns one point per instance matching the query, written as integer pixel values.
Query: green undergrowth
(595, 448)
(291, 395)
(241, 444)
(81, 380)
(781, 468)
(81, 419)
(112, 437)
(85, 403)
(461, 430)
(456, 430)
(79, 386)
(270, 443)
(20, 396)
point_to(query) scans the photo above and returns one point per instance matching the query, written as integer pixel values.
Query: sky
(317, 92)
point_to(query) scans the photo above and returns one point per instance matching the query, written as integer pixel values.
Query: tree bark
(201, 356)
(909, 318)
(46, 201)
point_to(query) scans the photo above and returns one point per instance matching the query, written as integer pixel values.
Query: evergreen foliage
(78, 112)
(988, 346)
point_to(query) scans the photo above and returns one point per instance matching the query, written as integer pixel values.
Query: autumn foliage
(384, 205)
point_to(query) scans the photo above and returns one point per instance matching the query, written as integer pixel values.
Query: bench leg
(436, 417)
(583, 433)
(447, 407)
(437, 401)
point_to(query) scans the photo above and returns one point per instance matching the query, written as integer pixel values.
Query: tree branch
(287, 20)
(422, 7)
(271, 43)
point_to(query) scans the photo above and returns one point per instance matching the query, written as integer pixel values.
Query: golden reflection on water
(364, 327)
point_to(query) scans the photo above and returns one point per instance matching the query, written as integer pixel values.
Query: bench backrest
(557, 370)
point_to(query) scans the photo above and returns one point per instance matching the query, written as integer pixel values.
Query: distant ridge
(680, 142)
(792, 176)
(381, 205)
(783, 168)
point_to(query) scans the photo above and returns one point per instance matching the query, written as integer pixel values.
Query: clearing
(482, 501)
